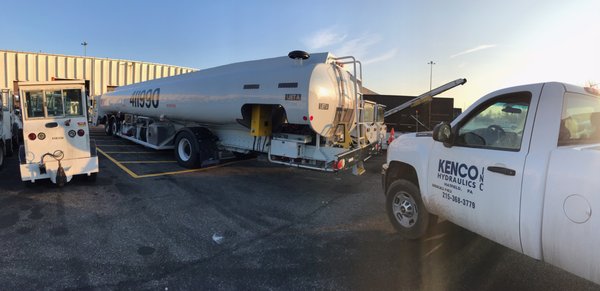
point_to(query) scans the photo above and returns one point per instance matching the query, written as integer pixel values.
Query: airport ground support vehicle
(301, 110)
(520, 167)
(9, 125)
(3, 143)
(56, 142)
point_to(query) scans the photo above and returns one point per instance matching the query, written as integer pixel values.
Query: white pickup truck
(520, 167)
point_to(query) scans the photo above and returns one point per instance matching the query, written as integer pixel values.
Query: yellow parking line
(132, 174)
(118, 145)
(146, 162)
(131, 152)
(136, 176)
(189, 171)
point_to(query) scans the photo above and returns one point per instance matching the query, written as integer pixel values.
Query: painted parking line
(136, 176)
(132, 174)
(146, 162)
(117, 145)
(131, 152)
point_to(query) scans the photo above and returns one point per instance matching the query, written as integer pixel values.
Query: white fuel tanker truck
(301, 110)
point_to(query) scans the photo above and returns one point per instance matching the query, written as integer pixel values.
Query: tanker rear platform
(146, 223)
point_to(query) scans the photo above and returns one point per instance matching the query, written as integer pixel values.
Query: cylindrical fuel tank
(315, 91)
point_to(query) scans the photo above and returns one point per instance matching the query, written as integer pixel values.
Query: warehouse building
(101, 74)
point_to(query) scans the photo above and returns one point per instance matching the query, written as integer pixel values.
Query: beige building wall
(103, 74)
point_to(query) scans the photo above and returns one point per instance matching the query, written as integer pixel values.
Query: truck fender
(399, 170)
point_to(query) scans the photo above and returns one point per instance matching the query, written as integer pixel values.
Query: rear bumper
(31, 172)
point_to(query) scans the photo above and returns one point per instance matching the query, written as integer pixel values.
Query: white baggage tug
(300, 110)
(56, 135)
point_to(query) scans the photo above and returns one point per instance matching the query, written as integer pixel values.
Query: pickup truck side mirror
(443, 133)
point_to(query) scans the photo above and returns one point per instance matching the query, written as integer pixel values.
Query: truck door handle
(51, 124)
(502, 170)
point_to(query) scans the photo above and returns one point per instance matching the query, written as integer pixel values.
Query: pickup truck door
(475, 181)
(571, 224)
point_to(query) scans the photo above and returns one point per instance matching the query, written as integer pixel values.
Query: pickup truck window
(580, 120)
(497, 124)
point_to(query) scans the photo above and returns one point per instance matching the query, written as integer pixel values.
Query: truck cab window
(73, 102)
(580, 120)
(380, 113)
(54, 103)
(498, 124)
(34, 101)
(369, 113)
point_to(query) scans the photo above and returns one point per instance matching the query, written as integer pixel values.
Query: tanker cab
(55, 133)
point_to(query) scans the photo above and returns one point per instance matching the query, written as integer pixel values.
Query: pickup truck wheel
(406, 210)
(187, 150)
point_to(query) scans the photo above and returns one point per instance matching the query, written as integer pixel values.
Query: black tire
(92, 177)
(15, 137)
(187, 150)
(108, 130)
(10, 150)
(1, 156)
(243, 156)
(406, 210)
(114, 126)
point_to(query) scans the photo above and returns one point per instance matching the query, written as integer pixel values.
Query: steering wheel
(497, 131)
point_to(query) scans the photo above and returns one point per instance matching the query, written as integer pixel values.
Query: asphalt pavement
(243, 225)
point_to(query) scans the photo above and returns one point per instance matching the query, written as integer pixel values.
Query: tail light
(341, 163)
(80, 132)
(32, 136)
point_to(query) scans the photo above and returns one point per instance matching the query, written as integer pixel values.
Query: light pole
(84, 44)
(431, 63)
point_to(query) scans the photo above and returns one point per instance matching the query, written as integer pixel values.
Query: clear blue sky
(493, 44)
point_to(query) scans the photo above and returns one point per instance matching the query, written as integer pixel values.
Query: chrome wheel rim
(114, 128)
(184, 149)
(405, 209)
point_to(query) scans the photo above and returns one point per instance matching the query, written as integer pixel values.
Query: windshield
(53, 103)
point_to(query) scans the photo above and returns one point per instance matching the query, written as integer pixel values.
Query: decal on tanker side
(293, 97)
(460, 177)
(145, 98)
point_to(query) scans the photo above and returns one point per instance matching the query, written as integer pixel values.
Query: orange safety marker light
(391, 138)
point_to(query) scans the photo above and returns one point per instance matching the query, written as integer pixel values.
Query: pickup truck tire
(406, 210)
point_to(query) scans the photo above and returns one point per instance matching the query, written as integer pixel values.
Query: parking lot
(147, 223)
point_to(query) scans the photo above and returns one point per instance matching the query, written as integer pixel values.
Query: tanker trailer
(300, 110)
